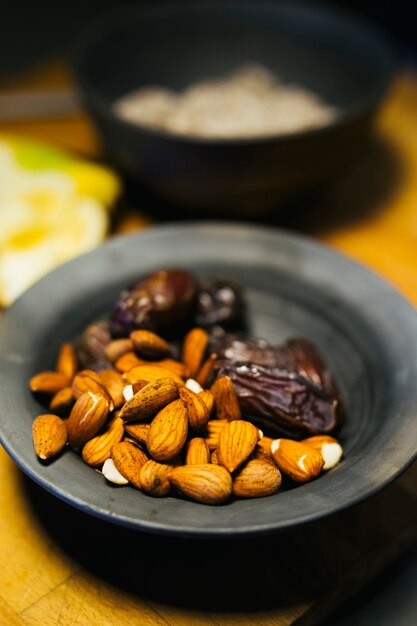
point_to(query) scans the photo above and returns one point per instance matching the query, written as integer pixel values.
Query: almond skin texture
(297, 460)
(62, 401)
(198, 413)
(87, 416)
(149, 344)
(213, 458)
(212, 432)
(265, 444)
(154, 477)
(67, 361)
(50, 436)
(149, 400)
(227, 405)
(197, 452)
(257, 478)
(128, 360)
(138, 432)
(97, 450)
(48, 382)
(237, 441)
(329, 448)
(114, 383)
(87, 380)
(129, 459)
(150, 372)
(168, 432)
(117, 348)
(208, 484)
(206, 369)
(208, 400)
(193, 349)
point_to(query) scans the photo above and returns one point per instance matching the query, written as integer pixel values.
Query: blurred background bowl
(345, 60)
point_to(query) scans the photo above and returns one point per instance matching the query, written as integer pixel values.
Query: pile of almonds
(151, 423)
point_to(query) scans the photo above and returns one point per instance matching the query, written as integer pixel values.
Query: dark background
(33, 31)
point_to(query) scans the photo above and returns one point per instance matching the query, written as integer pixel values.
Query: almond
(197, 452)
(265, 444)
(127, 361)
(87, 416)
(297, 460)
(149, 400)
(67, 361)
(50, 436)
(257, 478)
(114, 383)
(329, 448)
(237, 441)
(212, 432)
(168, 432)
(206, 369)
(62, 401)
(150, 372)
(48, 382)
(208, 399)
(129, 459)
(97, 450)
(175, 367)
(198, 413)
(154, 477)
(117, 348)
(193, 349)
(213, 458)
(193, 385)
(208, 484)
(139, 432)
(87, 380)
(149, 344)
(112, 474)
(227, 405)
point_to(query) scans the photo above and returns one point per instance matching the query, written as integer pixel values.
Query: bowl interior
(294, 287)
(344, 61)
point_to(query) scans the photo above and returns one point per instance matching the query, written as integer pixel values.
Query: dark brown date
(220, 302)
(91, 345)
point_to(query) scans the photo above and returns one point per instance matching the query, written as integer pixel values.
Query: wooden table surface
(61, 567)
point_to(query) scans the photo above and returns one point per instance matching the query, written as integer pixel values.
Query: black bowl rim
(118, 244)
(101, 27)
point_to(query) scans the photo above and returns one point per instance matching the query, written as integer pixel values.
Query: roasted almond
(212, 432)
(50, 436)
(127, 361)
(149, 400)
(297, 460)
(329, 448)
(168, 432)
(198, 413)
(213, 458)
(138, 432)
(87, 416)
(87, 380)
(208, 484)
(175, 367)
(150, 372)
(208, 399)
(206, 369)
(97, 450)
(129, 459)
(227, 405)
(197, 452)
(256, 478)
(114, 383)
(154, 477)
(149, 344)
(67, 361)
(48, 382)
(62, 401)
(117, 348)
(193, 349)
(265, 444)
(237, 441)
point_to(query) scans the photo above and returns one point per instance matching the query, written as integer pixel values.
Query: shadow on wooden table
(358, 193)
(307, 572)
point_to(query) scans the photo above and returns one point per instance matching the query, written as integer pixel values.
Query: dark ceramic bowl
(343, 59)
(367, 332)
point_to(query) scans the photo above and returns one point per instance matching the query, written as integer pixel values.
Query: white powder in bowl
(250, 102)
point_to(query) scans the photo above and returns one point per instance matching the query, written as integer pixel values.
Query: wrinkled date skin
(220, 302)
(163, 302)
(283, 402)
(91, 345)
